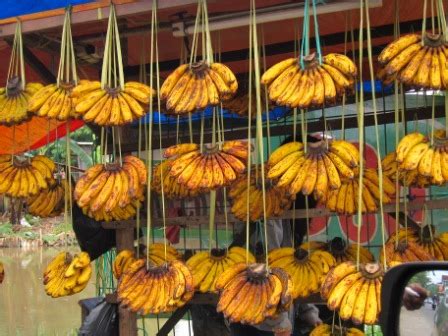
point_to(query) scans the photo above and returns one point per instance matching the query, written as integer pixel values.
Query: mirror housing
(394, 282)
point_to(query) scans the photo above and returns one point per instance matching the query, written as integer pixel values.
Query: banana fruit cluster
(207, 267)
(416, 63)
(240, 103)
(318, 171)
(49, 202)
(356, 294)
(67, 274)
(111, 106)
(315, 85)
(335, 330)
(250, 293)
(277, 199)
(306, 270)
(54, 102)
(193, 87)
(418, 157)
(157, 289)
(24, 178)
(171, 189)
(345, 199)
(122, 261)
(340, 250)
(2, 272)
(211, 169)
(14, 101)
(111, 191)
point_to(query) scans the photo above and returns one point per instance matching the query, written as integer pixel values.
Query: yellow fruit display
(111, 106)
(157, 289)
(210, 169)
(314, 85)
(67, 274)
(328, 330)
(355, 294)
(416, 63)
(408, 178)
(318, 171)
(14, 101)
(277, 200)
(340, 250)
(207, 267)
(191, 88)
(110, 191)
(49, 202)
(241, 102)
(305, 269)
(23, 177)
(250, 293)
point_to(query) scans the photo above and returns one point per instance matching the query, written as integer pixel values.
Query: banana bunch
(328, 330)
(14, 101)
(122, 262)
(207, 267)
(158, 289)
(49, 202)
(209, 170)
(110, 106)
(340, 250)
(250, 293)
(318, 171)
(54, 102)
(355, 293)
(111, 191)
(277, 199)
(2, 272)
(315, 85)
(418, 157)
(306, 270)
(240, 103)
(416, 63)
(23, 177)
(193, 87)
(67, 274)
(410, 178)
(345, 199)
(171, 189)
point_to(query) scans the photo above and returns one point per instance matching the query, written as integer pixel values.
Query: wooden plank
(172, 321)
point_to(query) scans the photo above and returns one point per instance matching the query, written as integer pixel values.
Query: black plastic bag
(102, 319)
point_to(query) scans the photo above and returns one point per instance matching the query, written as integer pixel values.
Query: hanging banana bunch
(239, 104)
(277, 200)
(355, 294)
(345, 199)
(209, 170)
(340, 250)
(335, 330)
(23, 177)
(67, 274)
(15, 96)
(320, 170)
(112, 191)
(49, 202)
(112, 102)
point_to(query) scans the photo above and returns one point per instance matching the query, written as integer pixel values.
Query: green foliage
(421, 278)
(32, 219)
(62, 228)
(6, 229)
(374, 330)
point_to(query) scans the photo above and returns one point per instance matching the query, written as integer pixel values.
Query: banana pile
(277, 199)
(211, 169)
(318, 171)
(193, 87)
(67, 274)
(416, 63)
(306, 270)
(49, 202)
(54, 102)
(416, 156)
(109, 106)
(207, 267)
(356, 294)
(111, 191)
(315, 85)
(122, 261)
(340, 250)
(171, 189)
(159, 289)
(240, 103)
(250, 293)
(407, 178)
(25, 177)
(345, 199)
(14, 101)
(335, 330)
(2, 272)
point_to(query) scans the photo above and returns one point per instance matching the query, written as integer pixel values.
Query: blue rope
(305, 45)
(316, 33)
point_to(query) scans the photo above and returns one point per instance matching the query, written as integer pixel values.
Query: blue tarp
(12, 8)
